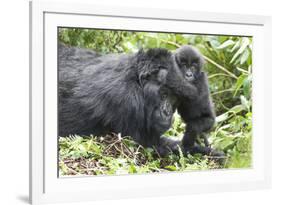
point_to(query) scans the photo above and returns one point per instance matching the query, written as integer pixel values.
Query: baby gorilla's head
(190, 62)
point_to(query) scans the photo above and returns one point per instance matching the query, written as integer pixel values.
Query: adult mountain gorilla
(132, 94)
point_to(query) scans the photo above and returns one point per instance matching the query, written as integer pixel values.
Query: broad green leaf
(245, 102)
(244, 56)
(245, 43)
(239, 83)
(222, 117)
(242, 70)
(226, 44)
(132, 169)
(237, 108)
(227, 141)
(171, 168)
(236, 46)
(247, 86)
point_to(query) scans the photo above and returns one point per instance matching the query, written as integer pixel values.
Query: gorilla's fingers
(168, 145)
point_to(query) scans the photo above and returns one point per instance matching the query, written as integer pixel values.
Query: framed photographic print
(129, 102)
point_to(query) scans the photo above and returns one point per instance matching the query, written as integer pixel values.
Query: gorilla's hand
(181, 87)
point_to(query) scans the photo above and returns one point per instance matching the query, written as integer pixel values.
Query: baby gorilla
(198, 113)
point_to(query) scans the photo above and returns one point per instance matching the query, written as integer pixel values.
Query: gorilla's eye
(195, 64)
(162, 67)
(182, 64)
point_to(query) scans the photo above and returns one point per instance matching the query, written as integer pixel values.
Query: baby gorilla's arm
(182, 90)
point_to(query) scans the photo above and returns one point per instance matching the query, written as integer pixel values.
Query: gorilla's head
(153, 65)
(190, 62)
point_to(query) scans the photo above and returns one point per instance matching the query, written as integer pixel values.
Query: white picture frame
(46, 187)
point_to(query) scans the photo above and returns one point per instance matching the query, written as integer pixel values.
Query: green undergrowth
(113, 155)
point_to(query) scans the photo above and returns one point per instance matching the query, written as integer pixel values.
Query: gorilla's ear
(157, 76)
(142, 79)
(146, 75)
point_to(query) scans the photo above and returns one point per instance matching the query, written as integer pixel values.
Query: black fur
(121, 93)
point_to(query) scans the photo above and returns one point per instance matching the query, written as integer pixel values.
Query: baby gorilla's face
(190, 62)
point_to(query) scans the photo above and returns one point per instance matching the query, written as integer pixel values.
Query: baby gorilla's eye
(183, 65)
(195, 64)
(162, 67)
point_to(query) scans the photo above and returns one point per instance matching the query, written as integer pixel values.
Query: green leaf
(171, 168)
(239, 83)
(242, 70)
(236, 46)
(247, 86)
(244, 56)
(237, 108)
(227, 141)
(214, 43)
(222, 117)
(226, 44)
(245, 102)
(132, 169)
(245, 43)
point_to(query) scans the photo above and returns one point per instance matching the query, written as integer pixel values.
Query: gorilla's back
(93, 90)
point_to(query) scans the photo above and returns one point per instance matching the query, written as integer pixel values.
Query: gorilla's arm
(180, 86)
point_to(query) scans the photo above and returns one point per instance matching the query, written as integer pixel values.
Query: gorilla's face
(190, 62)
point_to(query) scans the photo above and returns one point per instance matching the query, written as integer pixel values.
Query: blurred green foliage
(229, 67)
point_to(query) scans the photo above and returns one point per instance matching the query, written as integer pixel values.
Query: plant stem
(223, 91)
(220, 67)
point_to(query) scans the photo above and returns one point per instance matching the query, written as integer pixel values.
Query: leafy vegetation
(229, 68)
(112, 154)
